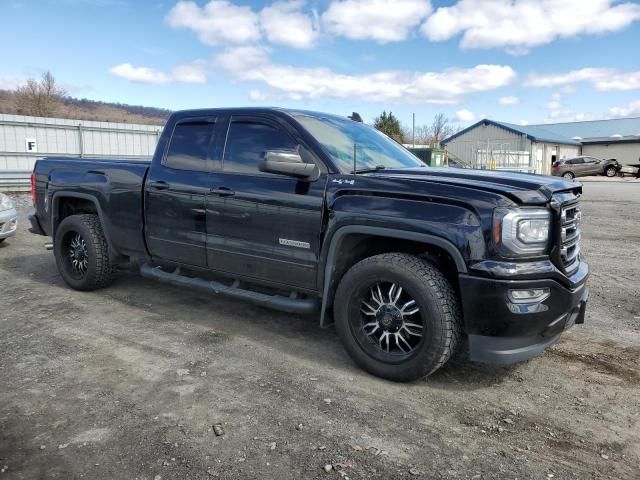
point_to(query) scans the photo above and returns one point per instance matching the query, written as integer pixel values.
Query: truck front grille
(570, 217)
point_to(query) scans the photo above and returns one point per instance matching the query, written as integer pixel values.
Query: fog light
(528, 295)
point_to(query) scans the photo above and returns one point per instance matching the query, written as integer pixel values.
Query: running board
(277, 302)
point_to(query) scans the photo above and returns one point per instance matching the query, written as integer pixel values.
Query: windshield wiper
(369, 169)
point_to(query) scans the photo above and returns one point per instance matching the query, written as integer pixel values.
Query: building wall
(625, 153)
(543, 153)
(466, 146)
(24, 139)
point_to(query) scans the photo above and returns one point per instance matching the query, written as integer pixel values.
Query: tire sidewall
(75, 223)
(430, 349)
(610, 169)
(568, 176)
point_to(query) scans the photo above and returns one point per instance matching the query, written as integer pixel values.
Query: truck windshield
(373, 149)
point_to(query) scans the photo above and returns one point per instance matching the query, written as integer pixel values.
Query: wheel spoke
(380, 294)
(384, 336)
(411, 332)
(394, 293)
(375, 298)
(373, 325)
(400, 337)
(409, 308)
(371, 311)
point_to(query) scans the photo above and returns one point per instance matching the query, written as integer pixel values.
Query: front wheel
(568, 176)
(610, 171)
(397, 316)
(82, 253)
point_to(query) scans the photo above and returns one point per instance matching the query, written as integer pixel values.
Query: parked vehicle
(8, 217)
(571, 168)
(317, 214)
(629, 170)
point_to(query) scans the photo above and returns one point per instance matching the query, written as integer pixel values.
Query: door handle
(158, 185)
(223, 192)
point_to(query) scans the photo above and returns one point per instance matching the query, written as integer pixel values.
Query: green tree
(388, 124)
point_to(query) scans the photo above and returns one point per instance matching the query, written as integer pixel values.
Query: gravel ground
(128, 382)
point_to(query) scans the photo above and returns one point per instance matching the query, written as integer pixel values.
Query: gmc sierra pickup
(313, 213)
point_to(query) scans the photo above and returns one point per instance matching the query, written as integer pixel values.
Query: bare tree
(39, 98)
(440, 129)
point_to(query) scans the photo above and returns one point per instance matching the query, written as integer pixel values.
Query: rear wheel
(610, 171)
(568, 175)
(82, 253)
(397, 316)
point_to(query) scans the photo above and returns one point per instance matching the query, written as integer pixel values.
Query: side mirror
(290, 164)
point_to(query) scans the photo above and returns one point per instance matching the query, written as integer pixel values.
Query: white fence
(25, 139)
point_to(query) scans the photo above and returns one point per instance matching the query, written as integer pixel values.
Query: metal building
(24, 139)
(505, 146)
(534, 148)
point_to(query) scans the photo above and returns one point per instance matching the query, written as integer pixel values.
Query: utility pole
(413, 134)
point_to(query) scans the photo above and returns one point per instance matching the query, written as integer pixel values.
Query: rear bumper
(36, 228)
(501, 332)
(8, 222)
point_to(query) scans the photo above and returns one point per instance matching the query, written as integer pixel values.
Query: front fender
(332, 247)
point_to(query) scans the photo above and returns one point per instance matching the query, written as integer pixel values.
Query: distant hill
(84, 109)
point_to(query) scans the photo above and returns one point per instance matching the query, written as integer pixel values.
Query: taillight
(33, 188)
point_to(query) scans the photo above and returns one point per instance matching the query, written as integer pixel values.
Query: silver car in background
(8, 217)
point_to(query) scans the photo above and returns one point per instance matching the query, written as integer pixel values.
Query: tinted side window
(247, 141)
(189, 146)
(577, 161)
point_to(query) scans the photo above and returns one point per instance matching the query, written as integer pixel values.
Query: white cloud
(631, 110)
(188, 73)
(380, 20)
(619, 82)
(444, 87)
(603, 79)
(518, 25)
(508, 100)
(574, 76)
(465, 115)
(283, 23)
(10, 83)
(217, 22)
(523, 122)
(139, 74)
(553, 105)
(258, 96)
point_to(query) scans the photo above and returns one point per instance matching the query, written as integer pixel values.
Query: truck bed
(116, 186)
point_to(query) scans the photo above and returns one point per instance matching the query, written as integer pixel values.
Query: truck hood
(527, 188)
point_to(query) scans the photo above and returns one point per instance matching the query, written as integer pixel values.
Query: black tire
(2, 240)
(610, 171)
(568, 175)
(439, 314)
(98, 270)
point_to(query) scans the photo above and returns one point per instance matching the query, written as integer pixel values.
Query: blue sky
(530, 61)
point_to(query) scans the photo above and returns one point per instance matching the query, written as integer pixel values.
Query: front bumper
(500, 332)
(8, 222)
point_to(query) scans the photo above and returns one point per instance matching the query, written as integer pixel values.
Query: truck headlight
(522, 231)
(5, 202)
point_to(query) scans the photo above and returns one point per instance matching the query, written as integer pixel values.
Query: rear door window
(190, 145)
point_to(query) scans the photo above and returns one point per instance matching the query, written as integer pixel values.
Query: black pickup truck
(313, 213)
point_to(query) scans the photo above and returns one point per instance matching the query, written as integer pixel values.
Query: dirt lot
(127, 382)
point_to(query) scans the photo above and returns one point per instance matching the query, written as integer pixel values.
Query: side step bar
(277, 302)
